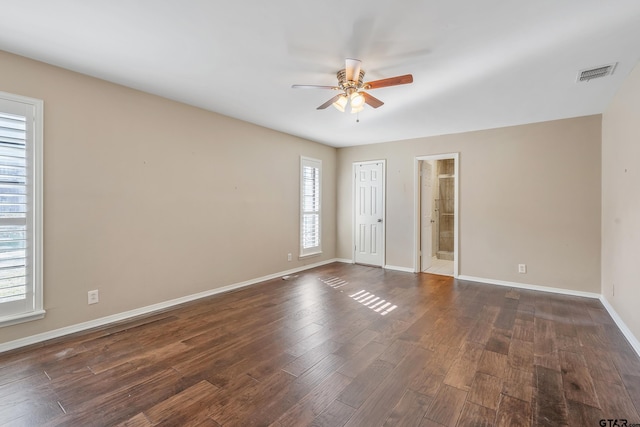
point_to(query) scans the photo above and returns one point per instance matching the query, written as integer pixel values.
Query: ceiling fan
(351, 84)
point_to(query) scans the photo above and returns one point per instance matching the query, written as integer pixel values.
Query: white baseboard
(531, 287)
(344, 260)
(79, 327)
(396, 268)
(621, 325)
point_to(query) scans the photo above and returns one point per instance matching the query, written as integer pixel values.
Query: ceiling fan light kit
(341, 103)
(351, 83)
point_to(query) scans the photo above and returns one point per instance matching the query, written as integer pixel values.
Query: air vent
(596, 73)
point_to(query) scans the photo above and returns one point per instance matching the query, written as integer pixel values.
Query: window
(20, 209)
(310, 202)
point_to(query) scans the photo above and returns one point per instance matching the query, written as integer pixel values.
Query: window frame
(35, 294)
(313, 250)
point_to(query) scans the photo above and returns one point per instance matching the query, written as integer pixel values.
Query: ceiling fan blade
(391, 81)
(352, 67)
(372, 100)
(329, 102)
(314, 87)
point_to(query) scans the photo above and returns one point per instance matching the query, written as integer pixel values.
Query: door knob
(379, 219)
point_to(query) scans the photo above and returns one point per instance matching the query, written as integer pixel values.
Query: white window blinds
(20, 219)
(311, 201)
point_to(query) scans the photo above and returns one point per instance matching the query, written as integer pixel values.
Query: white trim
(621, 325)
(57, 333)
(309, 255)
(396, 268)
(456, 209)
(344, 260)
(22, 317)
(384, 207)
(560, 291)
(36, 225)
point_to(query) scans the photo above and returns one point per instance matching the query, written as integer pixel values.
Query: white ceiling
(477, 64)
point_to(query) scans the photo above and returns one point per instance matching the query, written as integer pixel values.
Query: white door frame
(416, 204)
(384, 207)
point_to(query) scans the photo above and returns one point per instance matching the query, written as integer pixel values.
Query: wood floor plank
(397, 351)
(516, 413)
(632, 385)
(615, 402)
(362, 359)
(481, 332)
(136, 421)
(499, 341)
(601, 365)
(550, 406)
(583, 415)
(29, 401)
(336, 415)
(626, 361)
(127, 400)
(263, 367)
(272, 408)
(548, 360)
(305, 361)
(506, 316)
(315, 403)
(428, 379)
(544, 336)
(463, 370)
(485, 391)
(493, 363)
(447, 406)
(426, 422)
(518, 384)
(520, 355)
(409, 411)
(390, 391)
(365, 383)
(190, 406)
(355, 345)
(300, 352)
(577, 382)
(476, 416)
(242, 405)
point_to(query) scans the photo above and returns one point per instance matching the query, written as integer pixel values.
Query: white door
(426, 214)
(369, 213)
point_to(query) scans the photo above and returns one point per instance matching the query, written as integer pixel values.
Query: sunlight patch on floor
(373, 302)
(334, 282)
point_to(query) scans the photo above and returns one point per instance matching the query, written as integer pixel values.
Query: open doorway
(437, 214)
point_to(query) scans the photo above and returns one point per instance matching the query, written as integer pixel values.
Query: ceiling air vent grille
(596, 73)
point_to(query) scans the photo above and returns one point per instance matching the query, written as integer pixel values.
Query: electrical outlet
(522, 268)
(93, 297)
(289, 258)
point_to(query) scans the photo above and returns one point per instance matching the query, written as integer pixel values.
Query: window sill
(310, 255)
(21, 318)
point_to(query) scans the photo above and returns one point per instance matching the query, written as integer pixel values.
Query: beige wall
(147, 199)
(621, 202)
(528, 194)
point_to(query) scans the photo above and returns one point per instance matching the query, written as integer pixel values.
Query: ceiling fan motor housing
(350, 86)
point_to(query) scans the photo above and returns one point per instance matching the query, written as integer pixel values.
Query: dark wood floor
(315, 350)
